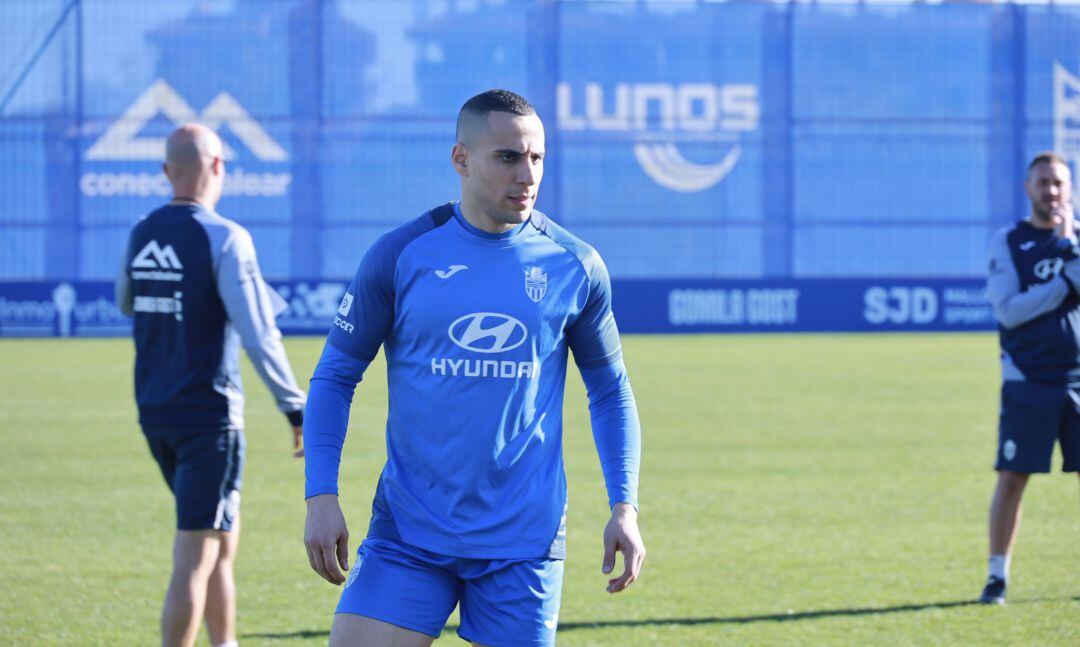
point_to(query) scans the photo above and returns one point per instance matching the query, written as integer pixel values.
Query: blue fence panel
(659, 136)
(701, 141)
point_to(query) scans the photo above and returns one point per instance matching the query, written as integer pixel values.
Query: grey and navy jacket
(191, 281)
(1033, 282)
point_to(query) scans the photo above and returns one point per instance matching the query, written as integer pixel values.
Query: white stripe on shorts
(223, 498)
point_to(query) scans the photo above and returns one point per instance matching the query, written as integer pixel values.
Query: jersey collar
(503, 239)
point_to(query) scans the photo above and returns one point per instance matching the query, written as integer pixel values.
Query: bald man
(191, 281)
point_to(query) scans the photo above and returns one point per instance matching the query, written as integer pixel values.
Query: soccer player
(1034, 274)
(192, 283)
(475, 304)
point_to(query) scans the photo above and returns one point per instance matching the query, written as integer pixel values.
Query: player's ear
(459, 158)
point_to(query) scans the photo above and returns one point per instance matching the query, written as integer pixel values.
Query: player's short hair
(1046, 157)
(476, 109)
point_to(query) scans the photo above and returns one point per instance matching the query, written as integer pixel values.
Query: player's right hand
(298, 442)
(326, 538)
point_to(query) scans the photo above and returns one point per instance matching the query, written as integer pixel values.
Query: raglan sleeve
(1014, 307)
(363, 321)
(593, 337)
(125, 301)
(251, 306)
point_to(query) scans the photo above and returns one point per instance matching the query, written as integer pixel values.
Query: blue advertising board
(824, 305)
(88, 309)
(66, 309)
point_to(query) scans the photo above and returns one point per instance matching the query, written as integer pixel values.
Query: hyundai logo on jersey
(488, 332)
(1048, 268)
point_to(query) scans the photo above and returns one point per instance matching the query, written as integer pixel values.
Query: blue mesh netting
(686, 139)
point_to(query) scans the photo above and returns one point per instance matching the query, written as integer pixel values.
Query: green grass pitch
(795, 490)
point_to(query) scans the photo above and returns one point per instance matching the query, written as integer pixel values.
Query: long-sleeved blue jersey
(1032, 286)
(191, 280)
(476, 328)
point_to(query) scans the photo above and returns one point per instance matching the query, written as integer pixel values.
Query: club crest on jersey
(535, 284)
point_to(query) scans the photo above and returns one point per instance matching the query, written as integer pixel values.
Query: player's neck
(1035, 221)
(201, 201)
(482, 221)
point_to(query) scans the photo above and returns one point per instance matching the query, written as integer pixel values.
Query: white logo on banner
(64, 298)
(1066, 113)
(56, 309)
(311, 305)
(661, 115)
(121, 140)
(121, 143)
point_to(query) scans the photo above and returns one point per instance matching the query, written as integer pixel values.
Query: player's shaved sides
(191, 146)
(473, 115)
(1046, 157)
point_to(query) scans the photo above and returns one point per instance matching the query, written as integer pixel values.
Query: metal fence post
(777, 198)
(306, 109)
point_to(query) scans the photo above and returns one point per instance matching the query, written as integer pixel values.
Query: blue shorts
(203, 469)
(1033, 416)
(503, 601)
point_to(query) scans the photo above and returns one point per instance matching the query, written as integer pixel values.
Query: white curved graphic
(668, 168)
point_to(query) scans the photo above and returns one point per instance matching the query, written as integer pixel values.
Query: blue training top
(476, 327)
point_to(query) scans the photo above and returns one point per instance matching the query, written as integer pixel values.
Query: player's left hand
(298, 442)
(621, 535)
(1064, 220)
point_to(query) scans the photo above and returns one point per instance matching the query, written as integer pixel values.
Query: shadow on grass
(303, 633)
(768, 617)
(718, 620)
(788, 617)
